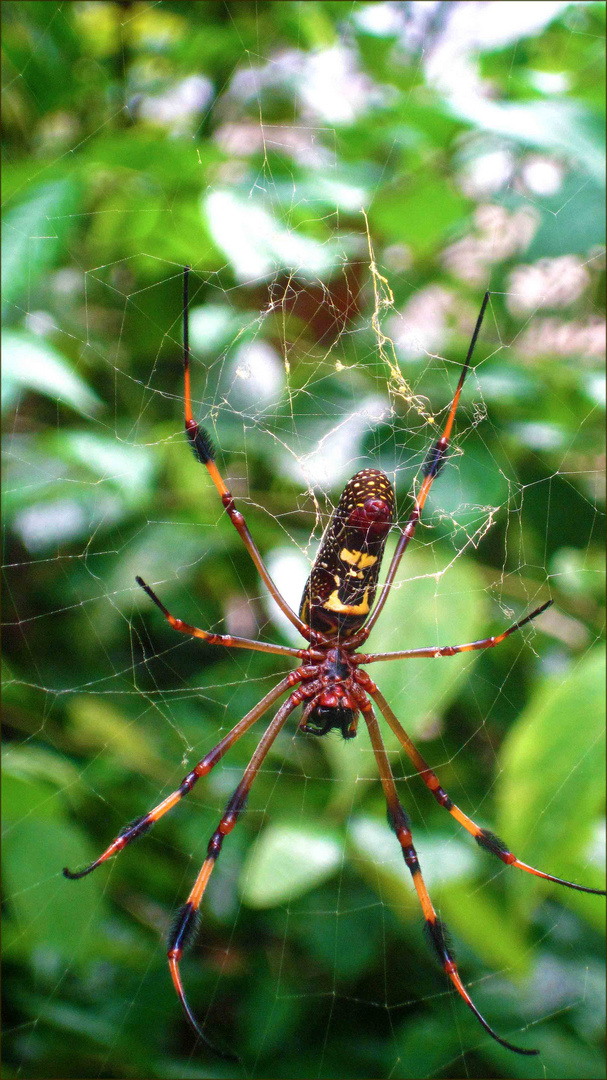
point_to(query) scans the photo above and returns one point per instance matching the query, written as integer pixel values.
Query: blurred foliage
(243, 139)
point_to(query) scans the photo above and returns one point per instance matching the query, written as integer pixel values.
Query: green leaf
(561, 1054)
(37, 842)
(33, 236)
(377, 854)
(490, 928)
(552, 782)
(128, 467)
(562, 126)
(31, 363)
(574, 220)
(400, 211)
(98, 726)
(287, 861)
(426, 1045)
(18, 799)
(213, 326)
(257, 244)
(146, 152)
(23, 766)
(432, 603)
(33, 854)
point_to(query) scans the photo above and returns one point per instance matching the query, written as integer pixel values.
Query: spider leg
(142, 824)
(452, 650)
(203, 450)
(186, 922)
(219, 639)
(435, 929)
(484, 838)
(435, 459)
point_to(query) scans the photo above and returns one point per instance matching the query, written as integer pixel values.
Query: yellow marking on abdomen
(367, 560)
(335, 604)
(357, 558)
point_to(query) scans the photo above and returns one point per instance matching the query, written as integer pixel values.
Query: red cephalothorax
(335, 618)
(337, 704)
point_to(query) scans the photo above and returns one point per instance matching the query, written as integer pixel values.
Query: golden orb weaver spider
(335, 619)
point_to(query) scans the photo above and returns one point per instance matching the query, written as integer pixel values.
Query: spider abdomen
(341, 588)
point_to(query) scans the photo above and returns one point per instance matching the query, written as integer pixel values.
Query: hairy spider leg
(484, 838)
(452, 650)
(224, 639)
(185, 926)
(203, 451)
(435, 459)
(435, 929)
(141, 825)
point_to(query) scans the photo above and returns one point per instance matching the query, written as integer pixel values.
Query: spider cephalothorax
(335, 618)
(337, 704)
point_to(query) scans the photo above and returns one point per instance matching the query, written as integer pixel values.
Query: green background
(311, 959)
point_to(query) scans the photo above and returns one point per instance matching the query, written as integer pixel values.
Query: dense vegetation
(244, 139)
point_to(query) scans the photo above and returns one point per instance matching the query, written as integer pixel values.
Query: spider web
(322, 342)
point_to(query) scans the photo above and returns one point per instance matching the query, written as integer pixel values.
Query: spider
(335, 618)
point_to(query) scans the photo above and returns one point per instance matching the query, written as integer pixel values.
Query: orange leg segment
(484, 838)
(452, 650)
(141, 825)
(203, 450)
(186, 922)
(223, 639)
(436, 931)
